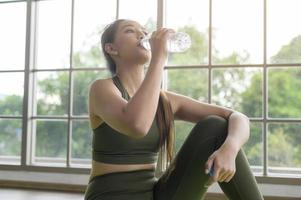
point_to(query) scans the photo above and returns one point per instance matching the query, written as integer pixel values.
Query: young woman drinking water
(133, 122)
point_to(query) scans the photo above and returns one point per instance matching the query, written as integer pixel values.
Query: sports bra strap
(120, 86)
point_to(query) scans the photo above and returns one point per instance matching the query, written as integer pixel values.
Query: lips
(139, 45)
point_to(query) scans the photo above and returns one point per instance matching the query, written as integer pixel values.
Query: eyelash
(132, 30)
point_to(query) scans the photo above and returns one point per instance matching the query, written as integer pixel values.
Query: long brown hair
(164, 114)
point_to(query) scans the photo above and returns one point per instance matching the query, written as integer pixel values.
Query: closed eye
(128, 30)
(132, 30)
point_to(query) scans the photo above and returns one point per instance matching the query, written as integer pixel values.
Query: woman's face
(127, 38)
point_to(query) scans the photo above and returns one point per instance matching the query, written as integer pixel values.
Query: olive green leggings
(187, 180)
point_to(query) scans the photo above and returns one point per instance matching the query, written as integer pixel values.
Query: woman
(133, 119)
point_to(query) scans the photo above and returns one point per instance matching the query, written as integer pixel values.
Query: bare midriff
(100, 168)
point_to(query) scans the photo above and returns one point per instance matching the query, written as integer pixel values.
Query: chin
(144, 59)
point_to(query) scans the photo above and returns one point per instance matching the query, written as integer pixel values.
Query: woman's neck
(131, 79)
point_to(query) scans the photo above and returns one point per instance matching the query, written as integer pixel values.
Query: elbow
(243, 116)
(138, 130)
(141, 128)
(247, 121)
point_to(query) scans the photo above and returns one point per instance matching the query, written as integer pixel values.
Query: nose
(142, 35)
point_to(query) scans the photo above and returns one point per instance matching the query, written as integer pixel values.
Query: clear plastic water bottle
(176, 42)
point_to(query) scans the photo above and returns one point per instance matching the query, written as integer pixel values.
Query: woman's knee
(212, 126)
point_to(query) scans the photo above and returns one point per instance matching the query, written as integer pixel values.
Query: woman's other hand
(224, 164)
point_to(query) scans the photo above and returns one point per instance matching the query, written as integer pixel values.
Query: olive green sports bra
(111, 146)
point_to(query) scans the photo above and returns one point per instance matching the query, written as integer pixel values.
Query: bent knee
(213, 119)
(214, 124)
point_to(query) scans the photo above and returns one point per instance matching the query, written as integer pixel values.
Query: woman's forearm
(238, 131)
(142, 106)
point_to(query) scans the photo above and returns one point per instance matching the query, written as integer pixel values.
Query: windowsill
(270, 186)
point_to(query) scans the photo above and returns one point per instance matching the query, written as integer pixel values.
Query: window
(12, 51)
(244, 56)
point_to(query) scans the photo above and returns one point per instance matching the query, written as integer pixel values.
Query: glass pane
(254, 147)
(189, 82)
(237, 31)
(283, 31)
(52, 93)
(53, 34)
(191, 17)
(11, 93)
(90, 17)
(284, 92)
(284, 148)
(81, 143)
(182, 129)
(144, 12)
(239, 89)
(10, 141)
(50, 145)
(12, 35)
(82, 81)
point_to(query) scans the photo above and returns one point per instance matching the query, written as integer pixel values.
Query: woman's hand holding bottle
(158, 43)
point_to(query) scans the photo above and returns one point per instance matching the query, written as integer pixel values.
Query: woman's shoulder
(101, 81)
(98, 84)
(96, 89)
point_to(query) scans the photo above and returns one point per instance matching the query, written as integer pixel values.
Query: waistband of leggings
(138, 171)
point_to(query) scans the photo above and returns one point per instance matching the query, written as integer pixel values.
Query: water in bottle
(176, 42)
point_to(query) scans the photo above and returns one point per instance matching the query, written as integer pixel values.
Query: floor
(27, 194)
(30, 194)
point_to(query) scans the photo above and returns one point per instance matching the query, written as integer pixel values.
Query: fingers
(213, 176)
(230, 177)
(220, 174)
(167, 32)
(208, 165)
(223, 175)
(163, 32)
(216, 174)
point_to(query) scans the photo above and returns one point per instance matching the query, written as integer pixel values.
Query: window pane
(239, 89)
(254, 147)
(82, 81)
(284, 92)
(52, 93)
(144, 12)
(90, 17)
(10, 141)
(50, 145)
(189, 82)
(237, 31)
(284, 148)
(12, 35)
(11, 93)
(191, 17)
(283, 31)
(81, 143)
(53, 34)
